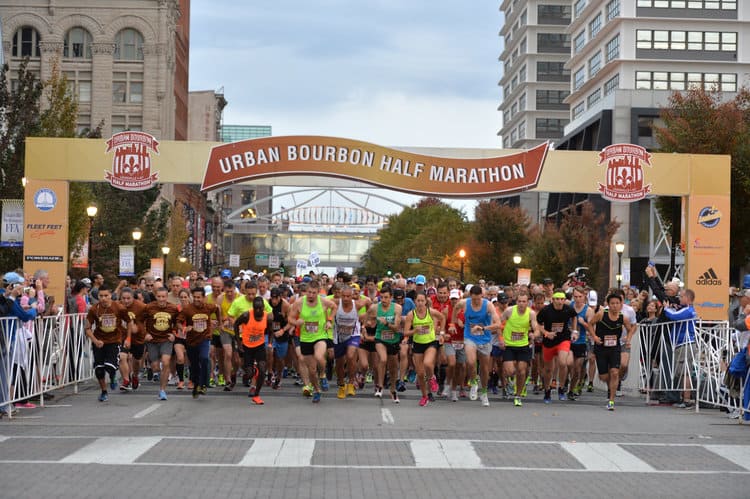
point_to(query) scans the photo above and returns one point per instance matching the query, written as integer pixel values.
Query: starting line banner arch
(620, 173)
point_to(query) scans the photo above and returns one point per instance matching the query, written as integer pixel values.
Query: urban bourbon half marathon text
(359, 157)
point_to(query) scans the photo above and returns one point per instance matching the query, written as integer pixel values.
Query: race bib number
(387, 335)
(311, 327)
(423, 330)
(517, 336)
(557, 327)
(476, 331)
(276, 326)
(458, 346)
(255, 338)
(107, 323)
(345, 330)
(610, 340)
(200, 325)
(162, 321)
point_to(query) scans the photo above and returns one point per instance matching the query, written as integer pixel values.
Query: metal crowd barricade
(42, 355)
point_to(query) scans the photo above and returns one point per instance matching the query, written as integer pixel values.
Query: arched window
(77, 44)
(26, 43)
(129, 45)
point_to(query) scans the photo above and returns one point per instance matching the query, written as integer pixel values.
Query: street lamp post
(91, 212)
(208, 247)
(137, 234)
(462, 256)
(516, 262)
(165, 252)
(620, 249)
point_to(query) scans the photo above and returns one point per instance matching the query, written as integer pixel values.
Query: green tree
(499, 231)
(19, 116)
(702, 122)
(430, 230)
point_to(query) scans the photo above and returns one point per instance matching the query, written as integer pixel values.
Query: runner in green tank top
(520, 324)
(422, 323)
(387, 338)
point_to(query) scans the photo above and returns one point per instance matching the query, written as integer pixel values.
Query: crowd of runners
(372, 338)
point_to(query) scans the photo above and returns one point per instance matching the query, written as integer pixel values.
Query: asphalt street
(221, 444)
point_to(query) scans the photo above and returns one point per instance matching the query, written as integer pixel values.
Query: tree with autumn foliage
(702, 121)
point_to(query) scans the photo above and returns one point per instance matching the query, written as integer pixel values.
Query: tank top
(225, 304)
(253, 331)
(516, 330)
(424, 328)
(482, 317)
(279, 322)
(609, 330)
(383, 332)
(581, 330)
(346, 324)
(314, 320)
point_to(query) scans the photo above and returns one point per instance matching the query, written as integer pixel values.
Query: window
(77, 44)
(522, 130)
(613, 9)
(128, 45)
(579, 41)
(522, 74)
(558, 43)
(549, 128)
(248, 196)
(660, 80)
(595, 64)
(579, 78)
(522, 102)
(578, 109)
(26, 43)
(686, 40)
(123, 123)
(595, 25)
(552, 71)
(127, 87)
(79, 85)
(690, 4)
(514, 109)
(513, 136)
(594, 98)
(553, 14)
(579, 6)
(83, 124)
(611, 84)
(551, 99)
(612, 49)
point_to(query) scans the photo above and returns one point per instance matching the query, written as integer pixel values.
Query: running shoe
(190, 385)
(561, 395)
(590, 388)
(227, 388)
(135, 382)
(203, 390)
(257, 400)
(212, 382)
(324, 384)
(26, 405)
(434, 388)
(462, 393)
(316, 397)
(400, 385)
(474, 390)
(269, 379)
(113, 383)
(155, 377)
(485, 400)
(102, 398)
(547, 396)
(180, 385)
(411, 376)
(307, 390)
(162, 395)
(537, 389)
(276, 383)
(618, 393)
(523, 390)
(125, 386)
(430, 397)
(611, 405)
(195, 392)
(360, 380)
(446, 392)
(246, 378)
(342, 392)
(394, 397)
(150, 374)
(171, 381)
(517, 402)
(350, 391)
(454, 395)
(379, 392)
(298, 381)
(284, 372)
(572, 396)
(494, 390)
(368, 378)
(221, 380)
(423, 401)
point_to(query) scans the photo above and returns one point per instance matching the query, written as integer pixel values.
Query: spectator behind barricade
(96, 281)
(10, 306)
(667, 293)
(45, 304)
(77, 303)
(682, 336)
(737, 306)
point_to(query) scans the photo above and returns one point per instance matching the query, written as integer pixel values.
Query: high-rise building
(127, 62)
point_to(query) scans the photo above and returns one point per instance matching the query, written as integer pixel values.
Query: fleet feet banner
(373, 164)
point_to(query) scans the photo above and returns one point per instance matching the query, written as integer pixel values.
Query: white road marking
(605, 457)
(387, 416)
(444, 454)
(147, 411)
(58, 405)
(112, 450)
(280, 452)
(738, 454)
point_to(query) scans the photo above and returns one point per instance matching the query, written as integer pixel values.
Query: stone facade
(120, 57)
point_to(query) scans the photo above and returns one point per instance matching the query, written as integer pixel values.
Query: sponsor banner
(81, 260)
(131, 163)
(708, 254)
(524, 276)
(45, 232)
(157, 269)
(12, 223)
(127, 260)
(624, 174)
(373, 164)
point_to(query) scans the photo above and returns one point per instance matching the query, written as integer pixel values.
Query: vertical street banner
(45, 234)
(708, 254)
(80, 260)
(127, 260)
(524, 276)
(157, 269)
(12, 224)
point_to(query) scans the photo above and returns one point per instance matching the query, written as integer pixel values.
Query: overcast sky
(392, 72)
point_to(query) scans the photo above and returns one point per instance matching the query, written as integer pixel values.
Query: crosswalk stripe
(738, 454)
(444, 454)
(112, 450)
(605, 457)
(278, 452)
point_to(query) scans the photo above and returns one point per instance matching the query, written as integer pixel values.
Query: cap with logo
(86, 281)
(502, 298)
(226, 274)
(547, 280)
(420, 280)
(13, 278)
(455, 294)
(593, 298)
